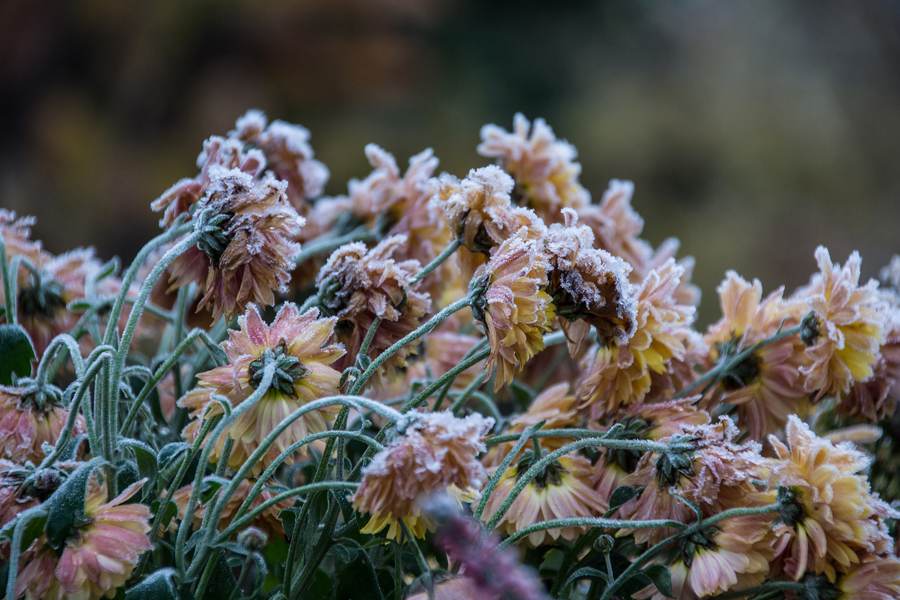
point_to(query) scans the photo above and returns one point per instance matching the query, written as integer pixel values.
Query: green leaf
(357, 581)
(33, 529)
(16, 353)
(171, 510)
(587, 573)
(694, 506)
(620, 496)
(221, 583)
(661, 578)
(67, 504)
(159, 585)
(146, 463)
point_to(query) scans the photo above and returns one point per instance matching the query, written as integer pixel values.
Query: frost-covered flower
(589, 286)
(436, 451)
(21, 488)
(287, 154)
(619, 374)
(358, 285)
(877, 578)
(829, 517)
(97, 557)
(562, 490)
(29, 419)
(267, 521)
(767, 386)
(515, 307)
(245, 251)
(543, 167)
(298, 344)
(849, 327)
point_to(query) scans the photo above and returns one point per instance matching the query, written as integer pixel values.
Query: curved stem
(434, 264)
(504, 464)
(589, 522)
(326, 243)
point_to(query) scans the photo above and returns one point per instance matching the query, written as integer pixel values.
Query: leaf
(66, 505)
(620, 496)
(169, 513)
(357, 581)
(587, 573)
(694, 506)
(33, 529)
(159, 585)
(16, 353)
(221, 583)
(661, 578)
(146, 462)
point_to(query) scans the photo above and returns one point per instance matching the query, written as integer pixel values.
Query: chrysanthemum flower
(299, 346)
(515, 309)
(589, 286)
(29, 419)
(436, 451)
(543, 167)
(267, 521)
(877, 578)
(246, 249)
(563, 490)
(849, 327)
(481, 215)
(358, 285)
(619, 374)
(16, 234)
(829, 516)
(288, 155)
(767, 386)
(21, 488)
(98, 556)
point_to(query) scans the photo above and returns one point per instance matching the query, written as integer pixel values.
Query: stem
(447, 377)
(720, 370)
(367, 341)
(16, 547)
(44, 373)
(504, 464)
(324, 244)
(420, 558)
(589, 522)
(434, 264)
(761, 589)
(9, 298)
(467, 393)
(421, 331)
(634, 567)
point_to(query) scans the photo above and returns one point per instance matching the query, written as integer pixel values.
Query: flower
(515, 308)
(298, 346)
(849, 327)
(829, 516)
(245, 252)
(619, 374)
(436, 450)
(287, 154)
(562, 490)
(22, 488)
(767, 386)
(357, 286)
(29, 418)
(589, 286)
(97, 557)
(543, 167)
(875, 579)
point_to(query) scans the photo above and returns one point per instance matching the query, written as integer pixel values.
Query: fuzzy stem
(507, 460)
(434, 264)
(326, 243)
(589, 522)
(9, 296)
(15, 549)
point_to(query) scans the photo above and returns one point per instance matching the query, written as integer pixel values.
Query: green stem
(762, 589)
(327, 243)
(448, 377)
(477, 382)
(504, 464)
(9, 295)
(590, 522)
(15, 549)
(434, 264)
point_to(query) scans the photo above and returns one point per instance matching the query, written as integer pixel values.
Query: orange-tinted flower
(767, 386)
(245, 252)
(875, 579)
(98, 556)
(849, 327)
(543, 167)
(589, 286)
(619, 374)
(29, 419)
(563, 490)
(299, 345)
(359, 285)
(515, 309)
(829, 516)
(436, 451)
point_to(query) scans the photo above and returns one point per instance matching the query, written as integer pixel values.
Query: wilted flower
(267, 521)
(829, 516)
(436, 451)
(21, 488)
(298, 344)
(589, 287)
(30, 418)
(245, 251)
(288, 155)
(15, 233)
(619, 374)
(98, 555)
(877, 578)
(562, 490)
(767, 386)
(543, 167)
(358, 285)
(515, 307)
(849, 327)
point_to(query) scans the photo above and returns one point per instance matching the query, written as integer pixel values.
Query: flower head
(849, 327)
(878, 578)
(358, 285)
(515, 308)
(563, 489)
(543, 167)
(29, 418)
(245, 251)
(298, 345)
(98, 556)
(436, 451)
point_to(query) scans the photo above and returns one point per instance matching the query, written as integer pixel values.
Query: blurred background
(753, 130)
